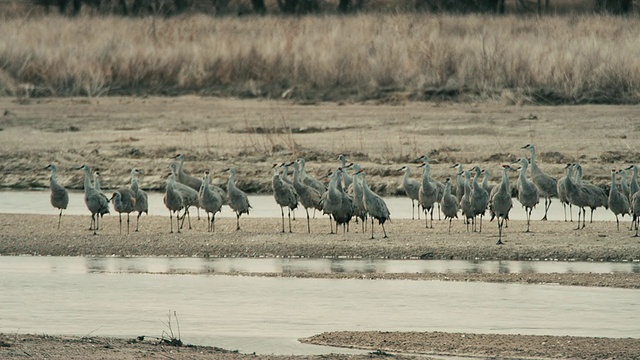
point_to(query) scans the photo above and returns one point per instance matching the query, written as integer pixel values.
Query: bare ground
(116, 134)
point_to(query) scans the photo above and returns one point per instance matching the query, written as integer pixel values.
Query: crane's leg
(120, 219)
(290, 220)
(94, 222)
(237, 221)
(171, 221)
(384, 231)
(500, 222)
(426, 219)
(431, 212)
(450, 219)
(282, 211)
(127, 223)
(528, 213)
(570, 212)
(59, 219)
(546, 207)
(439, 213)
(331, 224)
(564, 207)
(138, 221)
(308, 224)
(413, 209)
(635, 220)
(578, 228)
(481, 215)
(213, 222)
(617, 223)
(419, 211)
(294, 215)
(372, 227)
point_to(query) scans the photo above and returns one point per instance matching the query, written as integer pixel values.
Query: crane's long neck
(534, 165)
(296, 173)
(407, 174)
(504, 185)
(425, 175)
(613, 189)
(232, 178)
(87, 179)
(205, 183)
(181, 166)
(54, 173)
(460, 178)
(634, 177)
(485, 180)
(303, 170)
(447, 189)
(523, 172)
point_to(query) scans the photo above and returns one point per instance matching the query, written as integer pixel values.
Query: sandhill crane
(460, 182)
(124, 201)
(59, 195)
(190, 197)
(173, 200)
(635, 210)
(527, 191)
(308, 196)
(237, 199)
(96, 202)
(331, 200)
(346, 211)
(633, 184)
(439, 185)
(578, 195)
(486, 174)
(97, 181)
(142, 200)
(479, 198)
(376, 207)
(186, 179)
(563, 196)
(411, 188)
(501, 202)
(284, 194)
(358, 198)
(449, 203)
(547, 185)
(347, 180)
(308, 180)
(210, 201)
(428, 194)
(597, 196)
(465, 202)
(618, 203)
(624, 185)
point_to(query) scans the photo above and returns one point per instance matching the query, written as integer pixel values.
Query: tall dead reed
(572, 59)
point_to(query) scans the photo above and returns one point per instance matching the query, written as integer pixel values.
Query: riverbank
(408, 239)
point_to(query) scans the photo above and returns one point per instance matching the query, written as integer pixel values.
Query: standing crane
(358, 198)
(142, 199)
(210, 201)
(547, 185)
(527, 191)
(173, 200)
(501, 202)
(376, 207)
(59, 196)
(428, 194)
(308, 196)
(563, 195)
(124, 201)
(618, 203)
(465, 201)
(635, 210)
(449, 203)
(633, 184)
(347, 180)
(96, 202)
(237, 199)
(284, 194)
(190, 196)
(331, 200)
(479, 198)
(597, 197)
(412, 189)
(460, 182)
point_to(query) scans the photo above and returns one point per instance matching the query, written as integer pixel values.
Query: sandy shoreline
(408, 239)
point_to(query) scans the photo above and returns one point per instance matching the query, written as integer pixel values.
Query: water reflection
(169, 265)
(77, 296)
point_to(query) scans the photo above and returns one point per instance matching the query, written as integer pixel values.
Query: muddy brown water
(131, 297)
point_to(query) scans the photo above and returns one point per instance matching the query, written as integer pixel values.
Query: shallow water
(263, 206)
(131, 297)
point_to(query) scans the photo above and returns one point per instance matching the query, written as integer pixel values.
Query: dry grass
(576, 59)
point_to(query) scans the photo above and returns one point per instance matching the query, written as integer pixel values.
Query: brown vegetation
(387, 57)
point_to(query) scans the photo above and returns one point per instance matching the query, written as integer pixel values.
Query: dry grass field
(389, 57)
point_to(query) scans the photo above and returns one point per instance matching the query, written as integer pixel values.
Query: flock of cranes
(347, 196)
